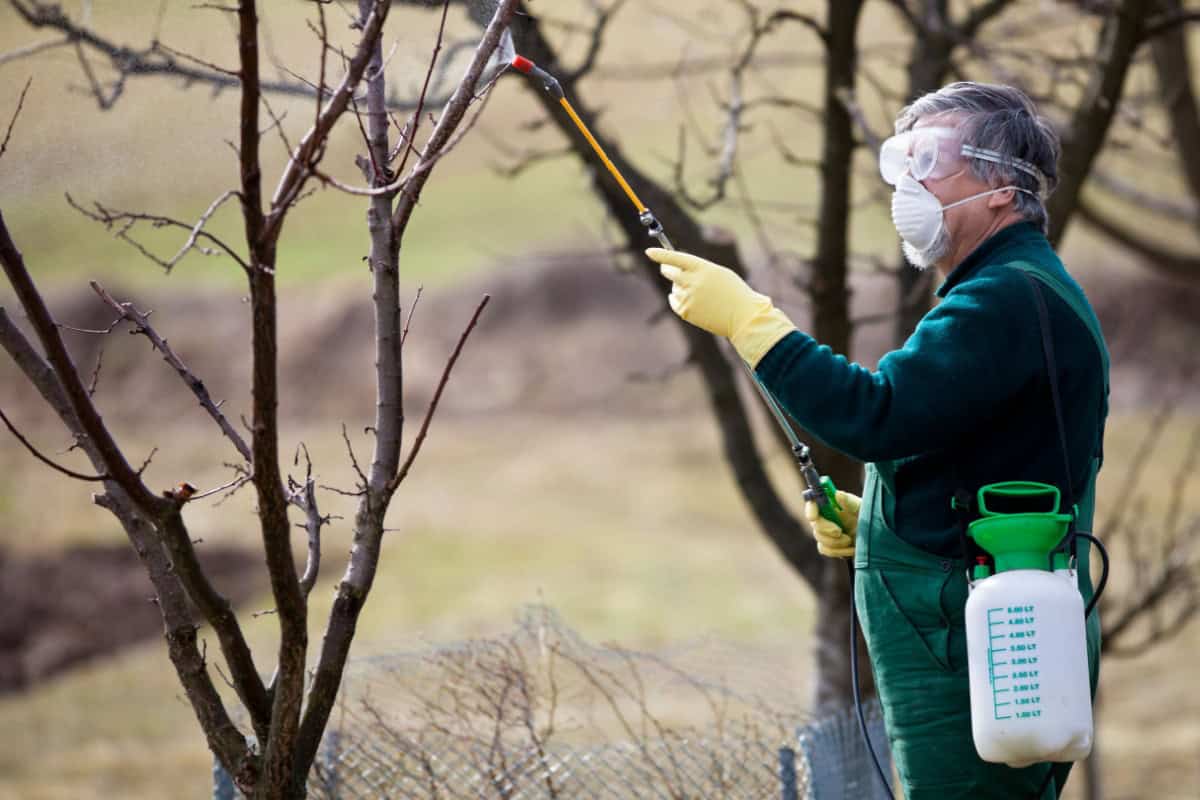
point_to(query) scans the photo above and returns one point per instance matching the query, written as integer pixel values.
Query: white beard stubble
(923, 259)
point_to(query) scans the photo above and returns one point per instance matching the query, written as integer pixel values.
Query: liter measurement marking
(1013, 662)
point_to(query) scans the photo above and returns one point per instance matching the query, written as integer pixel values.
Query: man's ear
(1001, 198)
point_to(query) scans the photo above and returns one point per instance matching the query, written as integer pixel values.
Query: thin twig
(304, 496)
(234, 484)
(33, 49)
(411, 312)
(17, 113)
(90, 331)
(416, 117)
(354, 459)
(28, 446)
(437, 395)
(142, 323)
(124, 222)
(91, 389)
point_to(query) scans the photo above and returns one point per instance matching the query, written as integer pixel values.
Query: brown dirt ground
(58, 611)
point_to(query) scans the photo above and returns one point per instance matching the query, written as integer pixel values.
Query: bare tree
(287, 721)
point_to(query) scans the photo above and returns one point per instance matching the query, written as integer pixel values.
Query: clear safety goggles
(936, 153)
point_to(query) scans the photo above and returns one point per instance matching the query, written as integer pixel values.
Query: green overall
(911, 605)
(963, 403)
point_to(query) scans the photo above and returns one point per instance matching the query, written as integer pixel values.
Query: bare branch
(980, 16)
(94, 382)
(149, 520)
(411, 312)
(1166, 23)
(1182, 209)
(808, 21)
(353, 459)
(304, 496)
(56, 353)
(312, 146)
(79, 476)
(128, 61)
(415, 121)
(323, 36)
(16, 113)
(1117, 42)
(231, 486)
(596, 31)
(450, 118)
(231, 73)
(33, 49)
(437, 395)
(124, 222)
(1154, 255)
(848, 99)
(142, 325)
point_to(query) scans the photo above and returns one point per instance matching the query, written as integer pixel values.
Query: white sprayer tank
(1027, 659)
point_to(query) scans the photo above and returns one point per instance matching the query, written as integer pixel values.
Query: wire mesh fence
(541, 713)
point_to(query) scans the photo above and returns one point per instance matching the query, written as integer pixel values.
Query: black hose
(1103, 575)
(862, 719)
(1086, 613)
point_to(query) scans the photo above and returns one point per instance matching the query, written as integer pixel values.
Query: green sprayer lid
(1012, 528)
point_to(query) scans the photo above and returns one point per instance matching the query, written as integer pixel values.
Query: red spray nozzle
(548, 81)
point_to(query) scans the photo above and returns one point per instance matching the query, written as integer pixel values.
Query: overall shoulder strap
(1052, 374)
(1074, 302)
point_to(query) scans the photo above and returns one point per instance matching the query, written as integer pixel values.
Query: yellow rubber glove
(833, 541)
(716, 299)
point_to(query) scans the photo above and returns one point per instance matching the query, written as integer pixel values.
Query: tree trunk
(928, 65)
(1119, 39)
(1174, 69)
(831, 326)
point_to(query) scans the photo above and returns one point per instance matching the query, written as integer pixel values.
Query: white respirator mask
(919, 216)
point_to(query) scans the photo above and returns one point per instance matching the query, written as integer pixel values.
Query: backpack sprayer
(1025, 619)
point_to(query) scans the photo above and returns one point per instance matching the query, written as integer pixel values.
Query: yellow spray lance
(817, 488)
(820, 490)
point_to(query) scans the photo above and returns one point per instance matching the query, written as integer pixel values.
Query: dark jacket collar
(1018, 235)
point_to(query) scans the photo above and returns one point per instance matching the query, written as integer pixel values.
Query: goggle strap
(997, 158)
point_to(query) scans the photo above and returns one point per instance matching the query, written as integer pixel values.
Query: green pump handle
(1018, 490)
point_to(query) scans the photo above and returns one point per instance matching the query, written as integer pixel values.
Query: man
(966, 402)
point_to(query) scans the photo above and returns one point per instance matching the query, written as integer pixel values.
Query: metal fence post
(330, 755)
(223, 788)
(787, 774)
(836, 758)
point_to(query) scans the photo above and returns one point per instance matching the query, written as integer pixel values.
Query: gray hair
(1002, 119)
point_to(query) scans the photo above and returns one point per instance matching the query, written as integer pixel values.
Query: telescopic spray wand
(818, 489)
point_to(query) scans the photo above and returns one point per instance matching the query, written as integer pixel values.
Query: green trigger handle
(820, 490)
(831, 507)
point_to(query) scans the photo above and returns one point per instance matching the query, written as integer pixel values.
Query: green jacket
(966, 401)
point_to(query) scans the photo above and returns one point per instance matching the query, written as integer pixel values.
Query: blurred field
(551, 476)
